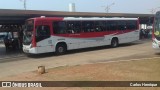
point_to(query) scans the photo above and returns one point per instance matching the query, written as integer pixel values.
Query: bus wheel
(60, 49)
(114, 42)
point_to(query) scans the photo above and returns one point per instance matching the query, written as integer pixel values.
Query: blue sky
(121, 6)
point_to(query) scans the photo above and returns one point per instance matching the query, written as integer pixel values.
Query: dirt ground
(136, 50)
(135, 70)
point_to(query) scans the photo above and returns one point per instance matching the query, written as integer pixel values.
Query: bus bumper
(28, 50)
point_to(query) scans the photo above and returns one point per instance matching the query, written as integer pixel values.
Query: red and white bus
(156, 32)
(57, 34)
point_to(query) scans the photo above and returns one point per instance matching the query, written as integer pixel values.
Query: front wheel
(114, 43)
(60, 49)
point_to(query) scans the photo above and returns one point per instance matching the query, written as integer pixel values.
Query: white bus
(57, 34)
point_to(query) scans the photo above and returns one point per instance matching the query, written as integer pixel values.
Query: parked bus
(56, 34)
(156, 32)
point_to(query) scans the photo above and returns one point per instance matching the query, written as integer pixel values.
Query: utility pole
(24, 4)
(25, 7)
(108, 7)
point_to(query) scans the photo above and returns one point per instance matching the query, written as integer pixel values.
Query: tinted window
(88, 26)
(77, 27)
(59, 27)
(111, 25)
(100, 26)
(121, 25)
(43, 30)
(131, 25)
(73, 27)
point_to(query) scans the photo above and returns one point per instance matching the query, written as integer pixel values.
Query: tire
(61, 49)
(114, 43)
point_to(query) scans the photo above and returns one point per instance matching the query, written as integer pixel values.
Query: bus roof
(81, 19)
(95, 18)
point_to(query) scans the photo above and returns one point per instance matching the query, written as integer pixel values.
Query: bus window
(131, 25)
(111, 25)
(73, 27)
(100, 26)
(77, 27)
(43, 31)
(88, 26)
(70, 27)
(121, 25)
(59, 27)
(28, 32)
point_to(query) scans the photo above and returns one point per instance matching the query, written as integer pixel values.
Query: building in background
(72, 7)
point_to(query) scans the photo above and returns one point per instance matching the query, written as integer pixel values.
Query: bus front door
(43, 39)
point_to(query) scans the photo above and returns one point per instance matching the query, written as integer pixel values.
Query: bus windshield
(157, 27)
(28, 32)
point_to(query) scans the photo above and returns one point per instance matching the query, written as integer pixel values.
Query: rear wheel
(60, 49)
(114, 43)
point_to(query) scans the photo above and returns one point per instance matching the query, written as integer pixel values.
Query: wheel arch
(114, 42)
(61, 42)
(115, 38)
